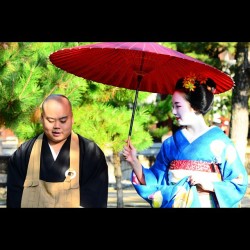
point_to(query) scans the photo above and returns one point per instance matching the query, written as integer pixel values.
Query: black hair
(202, 97)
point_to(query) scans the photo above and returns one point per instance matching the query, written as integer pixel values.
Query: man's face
(57, 120)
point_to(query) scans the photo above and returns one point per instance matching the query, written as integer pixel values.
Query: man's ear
(36, 116)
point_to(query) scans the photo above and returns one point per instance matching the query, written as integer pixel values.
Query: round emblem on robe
(71, 173)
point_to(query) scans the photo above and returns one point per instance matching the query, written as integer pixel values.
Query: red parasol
(142, 66)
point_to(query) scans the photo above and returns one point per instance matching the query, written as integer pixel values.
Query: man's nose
(56, 124)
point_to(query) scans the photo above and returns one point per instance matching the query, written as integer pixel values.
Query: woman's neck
(193, 131)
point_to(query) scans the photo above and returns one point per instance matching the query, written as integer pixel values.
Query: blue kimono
(169, 188)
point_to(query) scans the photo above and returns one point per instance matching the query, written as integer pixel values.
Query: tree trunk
(240, 96)
(118, 177)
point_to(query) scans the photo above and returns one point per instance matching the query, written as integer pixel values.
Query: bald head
(58, 98)
(57, 118)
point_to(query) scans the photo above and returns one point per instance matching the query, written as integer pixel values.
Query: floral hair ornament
(190, 80)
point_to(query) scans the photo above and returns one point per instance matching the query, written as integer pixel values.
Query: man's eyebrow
(63, 117)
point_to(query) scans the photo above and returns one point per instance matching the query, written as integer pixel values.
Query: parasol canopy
(140, 66)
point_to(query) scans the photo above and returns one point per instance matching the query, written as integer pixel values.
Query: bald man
(58, 168)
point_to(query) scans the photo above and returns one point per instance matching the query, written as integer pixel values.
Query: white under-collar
(53, 152)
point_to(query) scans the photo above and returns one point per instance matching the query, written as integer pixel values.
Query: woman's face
(182, 110)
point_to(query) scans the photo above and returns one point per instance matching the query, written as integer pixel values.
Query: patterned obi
(194, 165)
(181, 168)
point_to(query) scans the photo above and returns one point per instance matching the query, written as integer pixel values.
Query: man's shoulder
(88, 143)
(28, 143)
(84, 139)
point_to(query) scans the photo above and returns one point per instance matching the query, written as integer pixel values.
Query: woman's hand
(129, 152)
(130, 155)
(202, 183)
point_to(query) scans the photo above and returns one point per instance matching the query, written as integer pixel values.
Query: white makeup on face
(182, 110)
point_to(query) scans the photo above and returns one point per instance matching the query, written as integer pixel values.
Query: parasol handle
(129, 138)
(139, 78)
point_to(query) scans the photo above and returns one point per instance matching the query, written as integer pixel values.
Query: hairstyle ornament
(190, 80)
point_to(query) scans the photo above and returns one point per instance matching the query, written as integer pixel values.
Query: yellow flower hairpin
(189, 81)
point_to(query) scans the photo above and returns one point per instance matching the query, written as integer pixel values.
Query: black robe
(93, 171)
